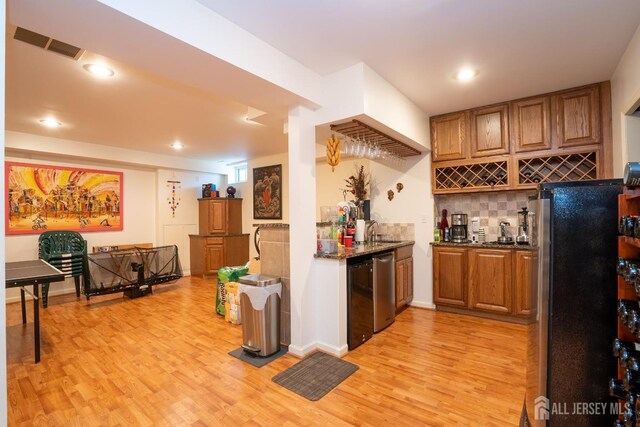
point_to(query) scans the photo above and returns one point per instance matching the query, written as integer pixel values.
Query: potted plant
(357, 184)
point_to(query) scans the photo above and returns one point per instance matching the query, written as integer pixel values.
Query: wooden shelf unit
(628, 248)
(559, 168)
(472, 176)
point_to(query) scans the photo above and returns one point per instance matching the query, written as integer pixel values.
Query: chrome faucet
(370, 229)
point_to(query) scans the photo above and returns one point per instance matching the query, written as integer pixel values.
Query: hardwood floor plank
(162, 360)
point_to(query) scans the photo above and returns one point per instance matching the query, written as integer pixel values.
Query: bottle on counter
(447, 234)
(437, 236)
(443, 222)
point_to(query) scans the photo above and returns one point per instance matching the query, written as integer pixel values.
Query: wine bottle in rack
(630, 380)
(619, 347)
(616, 389)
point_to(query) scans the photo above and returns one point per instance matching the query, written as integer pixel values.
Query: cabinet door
(578, 117)
(408, 284)
(401, 278)
(490, 131)
(217, 216)
(449, 276)
(490, 280)
(448, 135)
(530, 124)
(214, 258)
(526, 279)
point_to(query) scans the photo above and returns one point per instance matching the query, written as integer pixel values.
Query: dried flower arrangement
(357, 183)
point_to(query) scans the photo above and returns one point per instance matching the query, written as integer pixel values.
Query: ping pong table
(24, 273)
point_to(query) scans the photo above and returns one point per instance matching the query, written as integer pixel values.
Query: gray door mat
(258, 361)
(315, 376)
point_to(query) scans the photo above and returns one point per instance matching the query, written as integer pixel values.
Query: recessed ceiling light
(99, 70)
(177, 145)
(466, 74)
(50, 123)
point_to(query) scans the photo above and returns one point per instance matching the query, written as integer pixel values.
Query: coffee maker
(523, 227)
(459, 228)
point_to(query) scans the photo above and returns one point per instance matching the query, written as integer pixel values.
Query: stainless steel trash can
(260, 312)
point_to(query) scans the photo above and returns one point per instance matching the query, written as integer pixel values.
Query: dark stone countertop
(364, 249)
(485, 246)
(272, 225)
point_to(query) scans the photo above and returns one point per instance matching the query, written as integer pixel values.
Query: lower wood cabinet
(489, 282)
(525, 271)
(404, 276)
(210, 253)
(450, 276)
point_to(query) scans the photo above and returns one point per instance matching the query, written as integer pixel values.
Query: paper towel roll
(360, 226)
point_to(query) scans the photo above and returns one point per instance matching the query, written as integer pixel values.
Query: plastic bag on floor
(226, 275)
(232, 304)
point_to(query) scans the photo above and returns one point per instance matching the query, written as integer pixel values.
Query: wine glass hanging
(358, 146)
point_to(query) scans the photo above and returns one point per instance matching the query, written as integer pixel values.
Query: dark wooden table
(24, 273)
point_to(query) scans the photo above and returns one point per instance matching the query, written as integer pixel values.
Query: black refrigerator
(569, 357)
(359, 300)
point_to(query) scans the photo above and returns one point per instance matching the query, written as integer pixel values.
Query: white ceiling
(166, 90)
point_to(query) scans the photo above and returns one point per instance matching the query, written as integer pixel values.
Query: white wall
(245, 190)
(413, 205)
(625, 95)
(329, 185)
(139, 206)
(174, 229)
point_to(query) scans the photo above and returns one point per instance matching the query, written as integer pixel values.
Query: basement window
(240, 173)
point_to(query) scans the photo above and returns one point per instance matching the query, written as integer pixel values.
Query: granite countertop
(486, 246)
(364, 249)
(219, 235)
(272, 225)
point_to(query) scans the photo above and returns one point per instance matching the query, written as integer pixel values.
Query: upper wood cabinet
(490, 280)
(531, 124)
(448, 136)
(578, 117)
(489, 130)
(220, 216)
(450, 276)
(544, 138)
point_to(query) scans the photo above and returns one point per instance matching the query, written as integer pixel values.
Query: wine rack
(628, 249)
(470, 177)
(569, 167)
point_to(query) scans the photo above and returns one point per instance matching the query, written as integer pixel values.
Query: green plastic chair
(67, 251)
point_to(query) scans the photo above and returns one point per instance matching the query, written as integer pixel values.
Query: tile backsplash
(491, 208)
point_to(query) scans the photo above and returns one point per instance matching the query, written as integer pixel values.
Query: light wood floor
(162, 360)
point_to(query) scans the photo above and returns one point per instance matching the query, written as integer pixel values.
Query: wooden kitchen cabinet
(489, 130)
(531, 124)
(220, 216)
(209, 254)
(450, 276)
(448, 136)
(578, 117)
(525, 271)
(404, 276)
(490, 280)
(515, 145)
(485, 282)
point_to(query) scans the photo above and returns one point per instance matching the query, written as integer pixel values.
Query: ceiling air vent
(47, 43)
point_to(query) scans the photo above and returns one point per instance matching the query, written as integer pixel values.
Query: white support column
(302, 228)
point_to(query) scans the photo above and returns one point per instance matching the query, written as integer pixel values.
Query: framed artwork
(39, 198)
(267, 192)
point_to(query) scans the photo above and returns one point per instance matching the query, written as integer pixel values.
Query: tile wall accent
(274, 260)
(490, 207)
(396, 231)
